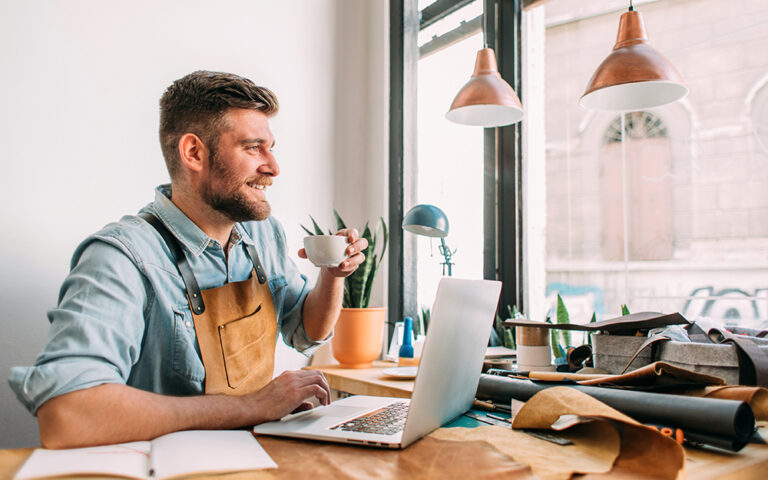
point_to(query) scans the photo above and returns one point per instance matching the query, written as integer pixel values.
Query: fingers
(351, 263)
(312, 382)
(303, 407)
(287, 393)
(323, 391)
(356, 243)
(351, 234)
(318, 392)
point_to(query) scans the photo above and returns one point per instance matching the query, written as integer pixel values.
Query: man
(168, 319)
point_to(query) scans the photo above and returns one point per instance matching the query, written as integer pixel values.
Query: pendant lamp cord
(624, 207)
(631, 7)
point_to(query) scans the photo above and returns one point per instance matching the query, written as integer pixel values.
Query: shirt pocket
(186, 352)
(243, 347)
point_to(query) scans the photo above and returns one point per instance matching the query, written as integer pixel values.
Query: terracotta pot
(356, 341)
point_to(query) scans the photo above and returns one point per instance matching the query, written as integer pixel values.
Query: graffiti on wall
(730, 306)
(733, 305)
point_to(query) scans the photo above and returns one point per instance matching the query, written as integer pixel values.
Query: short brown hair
(197, 103)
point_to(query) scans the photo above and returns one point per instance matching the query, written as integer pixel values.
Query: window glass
(448, 172)
(679, 222)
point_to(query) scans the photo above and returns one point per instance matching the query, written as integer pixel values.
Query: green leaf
(563, 318)
(555, 340)
(318, 230)
(594, 318)
(384, 237)
(358, 287)
(340, 225)
(562, 312)
(624, 310)
(509, 340)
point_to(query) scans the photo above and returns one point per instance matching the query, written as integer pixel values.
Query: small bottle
(406, 348)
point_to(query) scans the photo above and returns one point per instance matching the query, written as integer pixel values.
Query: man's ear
(193, 152)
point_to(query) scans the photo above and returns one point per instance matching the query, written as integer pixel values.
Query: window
(448, 168)
(680, 221)
(471, 173)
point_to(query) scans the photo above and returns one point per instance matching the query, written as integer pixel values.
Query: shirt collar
(184, 229)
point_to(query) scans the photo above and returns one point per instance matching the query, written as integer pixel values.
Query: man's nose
(270, 167)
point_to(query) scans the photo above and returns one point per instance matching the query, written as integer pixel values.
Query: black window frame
(502, 149)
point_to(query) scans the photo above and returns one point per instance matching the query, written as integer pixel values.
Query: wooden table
(750, 462)
(366, 381)
(469, 461)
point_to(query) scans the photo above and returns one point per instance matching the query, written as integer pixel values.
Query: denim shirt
(123, 316)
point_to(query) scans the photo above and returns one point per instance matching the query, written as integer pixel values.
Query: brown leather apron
(235, 324)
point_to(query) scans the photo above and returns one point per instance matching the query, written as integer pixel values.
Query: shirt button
(188, 324)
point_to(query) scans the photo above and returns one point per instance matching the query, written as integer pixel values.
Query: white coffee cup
(326, 250)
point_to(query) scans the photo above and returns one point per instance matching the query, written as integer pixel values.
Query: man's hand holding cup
(339, 254)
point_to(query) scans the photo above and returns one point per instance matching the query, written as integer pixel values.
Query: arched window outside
(649, 197)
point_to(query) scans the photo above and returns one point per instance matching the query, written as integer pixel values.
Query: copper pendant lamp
(634, 76)
(486, 100)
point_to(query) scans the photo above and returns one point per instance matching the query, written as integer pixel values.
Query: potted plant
(357, 336)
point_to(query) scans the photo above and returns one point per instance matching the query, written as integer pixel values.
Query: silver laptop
(444, 388)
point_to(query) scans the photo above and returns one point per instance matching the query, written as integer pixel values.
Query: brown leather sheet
(643, 453)
(756, 397)
(429, 458)
(657, 373)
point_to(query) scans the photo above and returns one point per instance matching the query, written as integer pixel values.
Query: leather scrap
(644, 452)
(428, 458)
(756, 397)
(594, 448)
(657, 373)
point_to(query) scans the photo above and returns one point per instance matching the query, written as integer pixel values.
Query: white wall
(78, 126)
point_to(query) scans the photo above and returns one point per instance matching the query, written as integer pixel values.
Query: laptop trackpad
(331, 411)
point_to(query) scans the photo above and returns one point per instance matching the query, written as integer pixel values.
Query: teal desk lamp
(430, 221)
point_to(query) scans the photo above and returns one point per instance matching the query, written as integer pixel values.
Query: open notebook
(173, 455)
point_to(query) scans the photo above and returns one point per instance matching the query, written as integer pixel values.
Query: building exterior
(695, 211)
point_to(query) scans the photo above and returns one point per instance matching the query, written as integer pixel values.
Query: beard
(229, 199)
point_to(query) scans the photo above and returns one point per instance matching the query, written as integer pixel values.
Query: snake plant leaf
(347, 299)
(384, 238)
(369, 284)
(426, 315)
(318, 230)
(340, 225)
(624, 309)
(563, 317)
(509, 339)
(359, 286)
(555, 341)
(309, 232)
(363, 272)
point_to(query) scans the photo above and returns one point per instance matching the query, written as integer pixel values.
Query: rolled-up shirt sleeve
(96, 329)
(296, 290)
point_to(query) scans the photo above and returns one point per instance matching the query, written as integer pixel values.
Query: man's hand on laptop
(288, 393)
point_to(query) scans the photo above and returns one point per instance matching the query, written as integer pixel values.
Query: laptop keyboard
(385, 421)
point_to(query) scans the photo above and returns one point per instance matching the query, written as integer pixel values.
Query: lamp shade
(634, 76)
(427, 220)
(486, 100)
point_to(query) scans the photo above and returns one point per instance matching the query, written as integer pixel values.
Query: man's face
(241, 167)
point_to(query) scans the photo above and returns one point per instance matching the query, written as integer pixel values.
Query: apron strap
(190, 282)
(256, 262)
